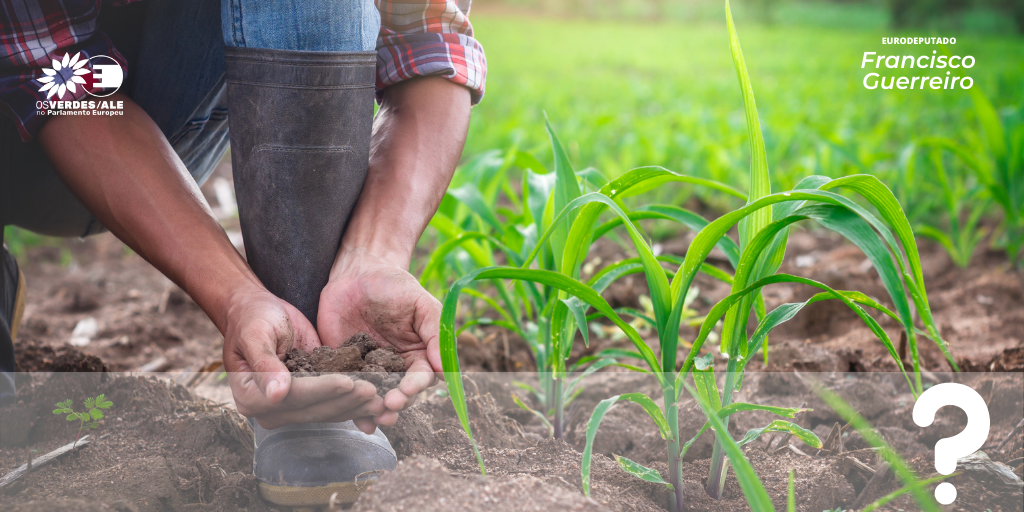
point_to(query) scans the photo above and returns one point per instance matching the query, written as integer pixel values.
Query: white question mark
(948, 450)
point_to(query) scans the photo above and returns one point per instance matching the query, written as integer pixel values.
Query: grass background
(623, 94)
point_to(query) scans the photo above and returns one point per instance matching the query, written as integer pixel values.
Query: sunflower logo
(63, 76)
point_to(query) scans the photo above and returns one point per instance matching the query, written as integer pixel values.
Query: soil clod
(359, 356)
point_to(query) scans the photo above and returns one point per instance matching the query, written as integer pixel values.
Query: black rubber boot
(300, 126)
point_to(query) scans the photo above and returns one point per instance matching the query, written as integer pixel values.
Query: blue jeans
(176, 74)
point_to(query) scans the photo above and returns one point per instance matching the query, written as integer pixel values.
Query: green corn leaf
(608, 353)
(791, 494)
(643, 179)
(677, 214)
(592, 176)
(704, 381)
(579, 237)
(797, 431)
(759, 180)
(537, 191)
(578, 311)
(880, 502)
(725, 412)
(848, 224)
(448, 347)
(719, 309)
(753, 489)
(444, 225)
(943, 239)
(567, 188)
(487, 321)
(652, 410)
(528, 388)
(526, 161)
(436, 261)
(595, 421)
(990, 123)
(705, 238)
(470, 196)
(588, 450)
(575, 384)
(787, 412)
(644, 473)
(607, 275)
(688, 444)
(538, 414)
(785, 312)
(879, 196)
(864, 428)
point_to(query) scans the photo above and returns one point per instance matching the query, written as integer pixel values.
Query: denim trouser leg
(311, 25)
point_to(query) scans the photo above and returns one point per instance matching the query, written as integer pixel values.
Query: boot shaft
(300, 125)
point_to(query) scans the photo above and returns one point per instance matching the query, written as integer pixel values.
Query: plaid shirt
(417, 38)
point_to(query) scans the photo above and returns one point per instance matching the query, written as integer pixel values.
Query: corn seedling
(763, 234)
(87, 419)
(543, 314)
(964, 207)
(996, 157)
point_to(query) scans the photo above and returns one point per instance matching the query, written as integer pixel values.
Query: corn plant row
(550, 272)
(995, 158)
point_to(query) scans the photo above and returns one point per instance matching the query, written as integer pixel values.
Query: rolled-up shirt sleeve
(429, 38)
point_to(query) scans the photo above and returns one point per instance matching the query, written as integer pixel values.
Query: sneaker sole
(309, 498)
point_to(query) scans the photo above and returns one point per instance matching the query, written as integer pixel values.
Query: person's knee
(314, 25)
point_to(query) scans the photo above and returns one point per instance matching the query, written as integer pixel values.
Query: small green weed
(90, 418)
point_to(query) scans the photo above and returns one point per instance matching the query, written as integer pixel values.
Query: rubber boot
(300, 125)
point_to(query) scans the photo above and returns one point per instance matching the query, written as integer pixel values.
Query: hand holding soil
(259, 327)
(368, 295)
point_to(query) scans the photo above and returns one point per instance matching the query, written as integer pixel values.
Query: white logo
(102, 75)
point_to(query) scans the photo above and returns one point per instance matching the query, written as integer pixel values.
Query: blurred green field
(628, 94)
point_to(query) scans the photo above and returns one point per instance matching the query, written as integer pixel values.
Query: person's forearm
(417, 141)
(127, 174)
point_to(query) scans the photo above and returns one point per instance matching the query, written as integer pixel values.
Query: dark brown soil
(158, 449)
(825, 480)
(359, 356)
(34, 356)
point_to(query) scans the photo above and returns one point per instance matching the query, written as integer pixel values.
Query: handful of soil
(359, 357)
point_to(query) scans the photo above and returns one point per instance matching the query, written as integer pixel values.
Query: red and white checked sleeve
(429, 37)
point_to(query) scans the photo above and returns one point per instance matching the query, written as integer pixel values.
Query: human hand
(261, 328)
(367, 294)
